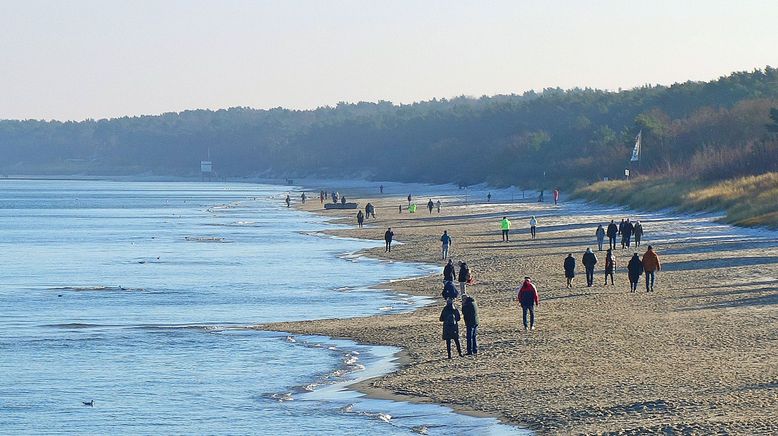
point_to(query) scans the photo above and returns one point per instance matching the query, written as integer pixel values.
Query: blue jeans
(472, 342)
(531, 310)
(650, 275)
(445, 251)
(599, 243)
(589, 276)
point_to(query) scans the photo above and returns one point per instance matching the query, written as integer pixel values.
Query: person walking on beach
(343, 200)
(610, 265)
(626, 233)
(533, 226)
(303, 197)
(589, 261)
(448, 272)
(409, 199)
(650, 266)
(430, 206)
(450, 317)
(463, 277)
(321, 197)
(438, 205)
(449, 291)
(613, 230)
(381, 189)
(600, 234)
(401, 209)
(360, 218)
(505, 225)
(634, 271)
(369, 210)
(470, 314)
(388, 236)
(446, 241)
(449, 275)
(638, 232)
(540, 196)
(288, 201)
(488, 200)
(556, 196)
(569, 269)
(528, 298)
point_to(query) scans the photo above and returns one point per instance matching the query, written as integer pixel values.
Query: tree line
(711, 130)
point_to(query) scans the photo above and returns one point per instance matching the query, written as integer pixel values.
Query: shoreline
(610, 398)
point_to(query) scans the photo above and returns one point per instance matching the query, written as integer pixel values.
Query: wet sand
(698, 355)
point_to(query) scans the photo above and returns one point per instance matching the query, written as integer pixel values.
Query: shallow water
(134, 295)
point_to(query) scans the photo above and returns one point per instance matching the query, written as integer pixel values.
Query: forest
(711, 130)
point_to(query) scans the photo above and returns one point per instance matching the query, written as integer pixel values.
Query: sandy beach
(697, 356)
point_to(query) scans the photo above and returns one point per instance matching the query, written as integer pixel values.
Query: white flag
(636, 150)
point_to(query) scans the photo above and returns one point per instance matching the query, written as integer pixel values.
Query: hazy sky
(95, 59)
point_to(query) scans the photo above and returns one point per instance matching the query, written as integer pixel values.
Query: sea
(138, 297)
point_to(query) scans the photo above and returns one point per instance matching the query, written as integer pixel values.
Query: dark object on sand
(341, 206)
(89, 403)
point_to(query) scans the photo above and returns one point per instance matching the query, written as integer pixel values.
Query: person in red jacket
(528, 298)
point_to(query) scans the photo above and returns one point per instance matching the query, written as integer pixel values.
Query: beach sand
(699, 355)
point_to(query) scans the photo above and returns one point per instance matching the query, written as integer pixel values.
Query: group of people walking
(450, 316)
(636, 266)
(626, 229)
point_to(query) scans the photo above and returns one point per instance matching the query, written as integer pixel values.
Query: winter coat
(570, 267)
(613, 230)
(445, 239)
(589, 259)
(448, 272)
(627, 230)
(450, 291)
(528, 294)
(360, 216)
(464, 273)
(634, 268)
(610, 264)
(600, 233)
(651, 262)
(505, 224)
(533, 222)
(470, 312)
(449, 316)
(638, 231)
(621, 227)
(388, 236)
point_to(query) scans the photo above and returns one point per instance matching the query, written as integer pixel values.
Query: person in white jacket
(533, 223)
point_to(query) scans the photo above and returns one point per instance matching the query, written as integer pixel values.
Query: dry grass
(748, 201)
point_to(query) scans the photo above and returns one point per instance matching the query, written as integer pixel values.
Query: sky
(79, 59)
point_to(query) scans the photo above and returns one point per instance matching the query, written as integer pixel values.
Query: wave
(94, 288)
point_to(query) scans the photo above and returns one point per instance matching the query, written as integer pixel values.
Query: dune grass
(748, 201)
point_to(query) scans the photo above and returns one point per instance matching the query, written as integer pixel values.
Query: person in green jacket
(505, 225)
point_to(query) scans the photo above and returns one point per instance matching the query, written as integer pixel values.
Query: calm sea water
(135, 295)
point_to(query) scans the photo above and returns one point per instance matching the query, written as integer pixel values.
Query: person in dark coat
(610, 265)
(638, 233)
(463, 277)
(409, 199)
(569, 269)
(470, 314)
(288, 201)
(388, 236)
(360, 218)
(528, 298)
(448, 272)
(430, 205)
(450, 317)
(626, 233)
(612, 232)
(446, 241)
(449, 291)
(634, 271)
(589, 261)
